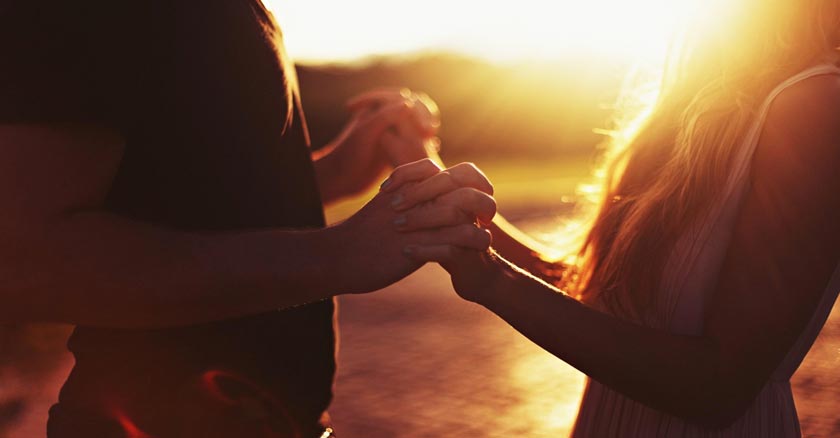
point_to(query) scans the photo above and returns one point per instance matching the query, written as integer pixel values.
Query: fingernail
(397, 201)
(400, 220)
(385, 184)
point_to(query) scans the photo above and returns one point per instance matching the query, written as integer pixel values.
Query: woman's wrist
(502, 279)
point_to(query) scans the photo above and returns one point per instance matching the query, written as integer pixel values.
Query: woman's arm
(785, 246)
(65, 258)
(510, 242)
(520, 249)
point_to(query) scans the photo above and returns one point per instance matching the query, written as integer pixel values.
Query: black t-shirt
(214, 142)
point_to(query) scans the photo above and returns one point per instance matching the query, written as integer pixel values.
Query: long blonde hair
(670, 160)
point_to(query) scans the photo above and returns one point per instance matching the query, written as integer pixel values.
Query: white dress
(693, 272)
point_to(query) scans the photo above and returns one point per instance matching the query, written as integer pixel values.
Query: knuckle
(462, 196)
(399, 171)
(453, 214)
(429, 164)
(449, 179)
(408, 196)
(490, 206)
(469, 169)
(466, 231)
(487, 239)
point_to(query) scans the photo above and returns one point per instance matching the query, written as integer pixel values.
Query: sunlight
(552, 390)
(319, 31)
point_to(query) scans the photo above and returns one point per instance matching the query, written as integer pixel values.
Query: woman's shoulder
(798, 154)
(803, 124)
(807, 113)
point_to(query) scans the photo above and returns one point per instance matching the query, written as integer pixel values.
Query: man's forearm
(98, 269)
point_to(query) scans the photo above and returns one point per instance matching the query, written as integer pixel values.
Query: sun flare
(319, 30)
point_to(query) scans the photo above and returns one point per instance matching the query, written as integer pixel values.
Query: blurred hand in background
(388, 127)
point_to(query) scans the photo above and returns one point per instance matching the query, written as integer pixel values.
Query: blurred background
(524, 89)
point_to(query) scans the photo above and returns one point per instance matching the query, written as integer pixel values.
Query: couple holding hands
(159, 192)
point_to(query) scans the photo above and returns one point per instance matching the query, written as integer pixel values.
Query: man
(158, 191)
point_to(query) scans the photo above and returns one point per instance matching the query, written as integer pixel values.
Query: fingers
(461, 206)
(427, 114)
(462, 175)
(401, 149)
(370, 128)
(467, 236)
(425, 120)
(378, 96)
(443, 254)
(411, 172)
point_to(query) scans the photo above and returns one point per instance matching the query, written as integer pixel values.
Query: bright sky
(340, 30)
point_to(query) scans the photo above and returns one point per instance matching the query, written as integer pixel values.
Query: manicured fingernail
(397, 201)
(400, 220)
(385, 184)
(408, 250)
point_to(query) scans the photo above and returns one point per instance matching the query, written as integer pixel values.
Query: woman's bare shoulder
(796, 166)
(807, 113)
(801, 136)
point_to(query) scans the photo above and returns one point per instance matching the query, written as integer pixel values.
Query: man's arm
(63, 257)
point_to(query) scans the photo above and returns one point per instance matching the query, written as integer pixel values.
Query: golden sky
(341, 30)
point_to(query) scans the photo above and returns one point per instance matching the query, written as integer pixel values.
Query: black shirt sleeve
(59, 62)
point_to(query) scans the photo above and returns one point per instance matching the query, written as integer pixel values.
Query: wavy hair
(666, 160)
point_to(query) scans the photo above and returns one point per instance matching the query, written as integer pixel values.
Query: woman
(712, 262)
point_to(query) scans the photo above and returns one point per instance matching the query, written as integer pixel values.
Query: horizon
(534, 31)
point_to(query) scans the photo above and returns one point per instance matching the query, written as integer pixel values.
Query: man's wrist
(335, 241)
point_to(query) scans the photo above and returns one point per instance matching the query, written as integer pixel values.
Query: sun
(330, 30)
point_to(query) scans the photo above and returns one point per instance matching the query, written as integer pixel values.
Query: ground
(418, 362)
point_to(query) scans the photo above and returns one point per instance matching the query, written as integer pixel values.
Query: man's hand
(374, 246)
(376, 238)
(425, 200)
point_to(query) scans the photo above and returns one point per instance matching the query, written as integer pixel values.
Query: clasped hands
(422, 213)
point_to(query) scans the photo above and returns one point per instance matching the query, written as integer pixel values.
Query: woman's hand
(388, 128)
(426, 200)
(374, 240)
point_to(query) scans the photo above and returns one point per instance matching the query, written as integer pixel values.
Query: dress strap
(736, 183)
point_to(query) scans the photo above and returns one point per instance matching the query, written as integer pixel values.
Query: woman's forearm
(522, 250)
(98, 269)
(681, 375)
